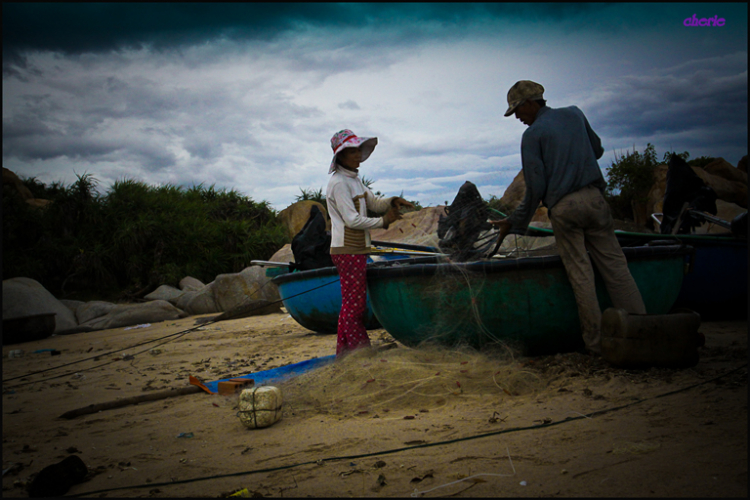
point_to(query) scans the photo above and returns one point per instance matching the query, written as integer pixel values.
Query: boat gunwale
(542, 232)
(429, 265)
(639, 253)
(332, 271)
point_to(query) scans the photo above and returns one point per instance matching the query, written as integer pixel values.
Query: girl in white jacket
(348, 200)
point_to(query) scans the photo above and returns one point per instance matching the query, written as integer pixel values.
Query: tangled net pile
(431, 375)
(403, 379)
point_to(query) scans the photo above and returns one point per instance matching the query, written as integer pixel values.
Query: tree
(629, 180)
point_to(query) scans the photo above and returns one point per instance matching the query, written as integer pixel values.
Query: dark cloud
(349, 105)
(74, 28)
(692, 101)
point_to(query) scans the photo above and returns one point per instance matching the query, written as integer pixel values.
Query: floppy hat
(522, 91)
(347, 139)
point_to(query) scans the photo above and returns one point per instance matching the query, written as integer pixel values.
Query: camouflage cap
(520, 92)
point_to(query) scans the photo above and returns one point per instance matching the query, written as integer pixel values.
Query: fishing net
(443, 367)
(407, 380)
(465, 235)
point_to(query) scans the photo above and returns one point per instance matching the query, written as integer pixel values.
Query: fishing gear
(466, 219)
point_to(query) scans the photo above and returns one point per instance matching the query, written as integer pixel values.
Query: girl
(348, 200)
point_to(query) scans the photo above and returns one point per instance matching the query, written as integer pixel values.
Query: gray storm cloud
(248, 95)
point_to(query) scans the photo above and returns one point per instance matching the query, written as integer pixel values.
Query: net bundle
(410, 380)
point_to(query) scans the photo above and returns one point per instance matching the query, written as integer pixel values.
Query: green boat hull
(526, 303)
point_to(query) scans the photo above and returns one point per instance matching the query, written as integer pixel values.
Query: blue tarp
(276, 374)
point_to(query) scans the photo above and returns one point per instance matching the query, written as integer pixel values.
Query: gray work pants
(582, 221)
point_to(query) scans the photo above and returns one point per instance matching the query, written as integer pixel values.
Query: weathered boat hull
(313, 299)
(528, 303)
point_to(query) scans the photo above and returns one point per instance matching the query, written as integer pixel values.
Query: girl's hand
(391, 215)
(399, 202)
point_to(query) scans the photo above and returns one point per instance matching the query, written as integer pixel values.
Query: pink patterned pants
(351, 329)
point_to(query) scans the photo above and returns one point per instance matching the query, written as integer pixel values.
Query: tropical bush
(630, 178)
(135, 237)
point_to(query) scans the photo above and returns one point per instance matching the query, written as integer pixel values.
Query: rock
(166, 292)
(742, 164)
(25, 193)
(135, 314)
(417, 228)
(27, 297)
(295, 216)
(199, 301)
(727, 190)
(733, 192)
(722, 168)
(190, 284)
(237, 289)
(513, 197)
(72, 304)
(38, 202)
(12, 179)
(250, 308)
(283, 254)
(514, 193)
(257, 274)
(92, 310)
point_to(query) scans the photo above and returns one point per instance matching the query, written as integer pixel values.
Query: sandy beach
(477, 425)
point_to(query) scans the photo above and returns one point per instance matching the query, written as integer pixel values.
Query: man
(558, 154)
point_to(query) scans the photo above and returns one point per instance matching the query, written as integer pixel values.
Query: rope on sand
(425, 445)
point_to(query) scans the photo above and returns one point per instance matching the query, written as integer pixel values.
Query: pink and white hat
(346, 139)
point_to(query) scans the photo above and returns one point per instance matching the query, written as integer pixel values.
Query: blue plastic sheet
(277, 374)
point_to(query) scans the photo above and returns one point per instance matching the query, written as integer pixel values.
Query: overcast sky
(247, 96)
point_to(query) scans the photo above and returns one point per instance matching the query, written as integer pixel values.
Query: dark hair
(541, 102)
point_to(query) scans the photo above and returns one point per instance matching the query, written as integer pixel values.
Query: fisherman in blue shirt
(559, 150)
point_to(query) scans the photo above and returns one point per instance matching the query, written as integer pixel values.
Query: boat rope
(177, 335)
(423, 445)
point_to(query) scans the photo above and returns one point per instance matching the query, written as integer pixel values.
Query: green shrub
(133, 238)
(630, 177)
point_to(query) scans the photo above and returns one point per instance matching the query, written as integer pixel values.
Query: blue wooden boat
(525, 302)
(313, 297)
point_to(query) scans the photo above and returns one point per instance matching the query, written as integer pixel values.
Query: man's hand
(399, 202)
(504, 226)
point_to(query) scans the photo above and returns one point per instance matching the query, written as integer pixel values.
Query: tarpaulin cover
(272, 375)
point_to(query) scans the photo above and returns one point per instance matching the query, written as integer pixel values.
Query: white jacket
(350, 224)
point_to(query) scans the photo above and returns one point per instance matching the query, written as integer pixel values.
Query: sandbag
(260, 406)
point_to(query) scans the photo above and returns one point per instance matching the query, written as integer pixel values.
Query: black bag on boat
(312, 245)
(684, 186)
(466, 219)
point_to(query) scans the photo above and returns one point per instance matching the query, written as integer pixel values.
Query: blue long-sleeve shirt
(558, 154)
